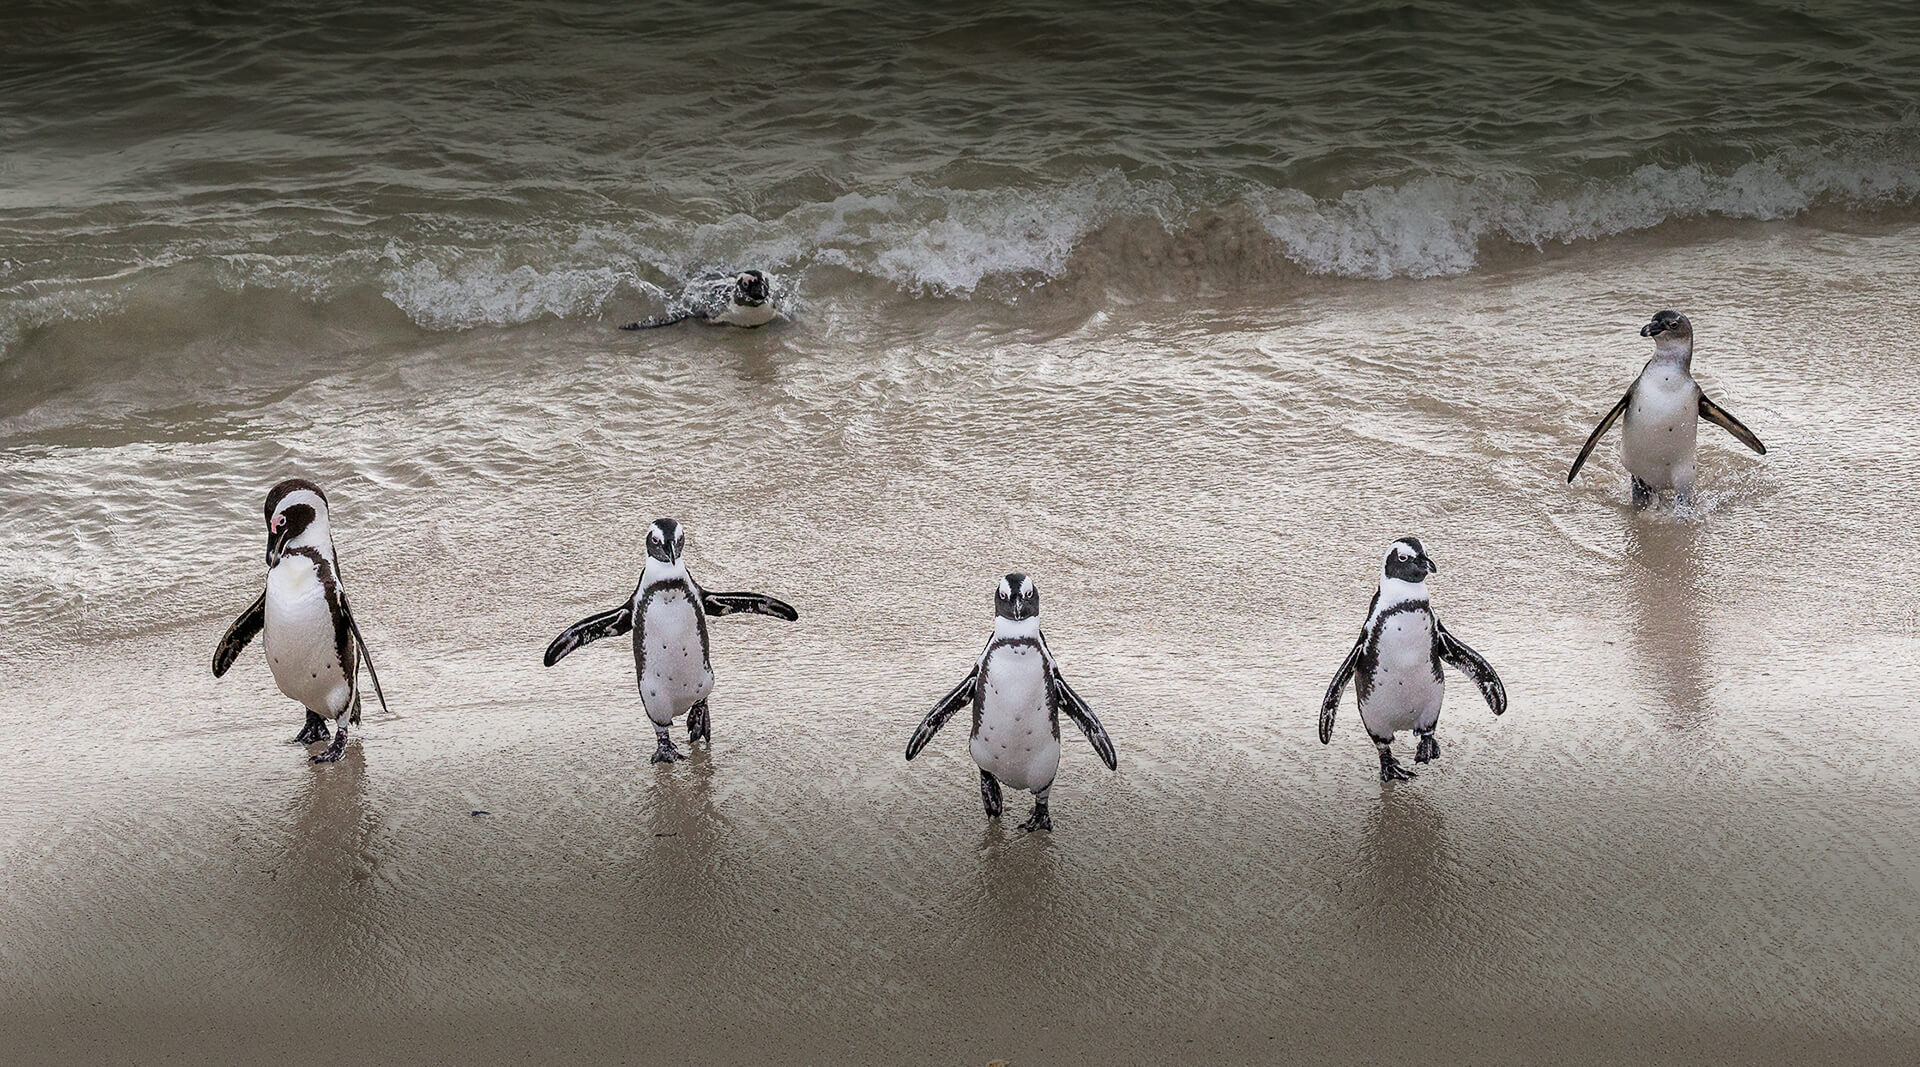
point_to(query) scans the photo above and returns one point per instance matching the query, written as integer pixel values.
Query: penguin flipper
(1473, 665)
(756, 603)
(958, 695)
(1724, 419)
(1069, 701)
(243, 630)
(366, 654)
(590, 629)
(1598, 431)
(665, 320)
(1331, 703)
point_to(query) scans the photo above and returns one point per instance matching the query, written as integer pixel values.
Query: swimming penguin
(1017, 693)
(314, 647)
(1396, 663)
(744, 299)
(1662, 406)
(668, 616)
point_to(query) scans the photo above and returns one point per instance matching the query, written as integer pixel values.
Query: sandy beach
(1692, 838)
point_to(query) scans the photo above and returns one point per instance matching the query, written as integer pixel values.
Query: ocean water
(1186, 310)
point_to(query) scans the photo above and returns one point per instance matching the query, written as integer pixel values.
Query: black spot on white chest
(1012, 693)
(1400, 650)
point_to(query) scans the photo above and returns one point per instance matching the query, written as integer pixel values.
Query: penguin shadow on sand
(685, 856)
(1018, 896)
(1401, 888)
(327, 879)
(681, 815)
(1670, 604)
(1403, 854)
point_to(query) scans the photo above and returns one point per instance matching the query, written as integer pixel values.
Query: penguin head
(665, 540)
(1018, 598)
(296, 514)
(1407, 561)
(1668, 326)
(750, 288)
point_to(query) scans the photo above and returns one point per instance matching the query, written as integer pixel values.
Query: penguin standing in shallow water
(1017, 693)
(1396, 663)
(668, 616)
(744, 299)
(1662, 409)
(314, 647)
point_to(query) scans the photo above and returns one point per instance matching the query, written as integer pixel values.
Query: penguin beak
(1653, 329)
(276, 540)
(1432, 567)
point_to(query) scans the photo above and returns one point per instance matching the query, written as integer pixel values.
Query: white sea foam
(956, 243)
(929, 241)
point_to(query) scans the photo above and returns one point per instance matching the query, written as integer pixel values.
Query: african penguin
(1017, 693)
(668, 616)
(1395, 663)
(744, 299)
(314, 647)
(1661, 409)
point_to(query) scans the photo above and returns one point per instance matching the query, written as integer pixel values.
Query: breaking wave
(1104, 230)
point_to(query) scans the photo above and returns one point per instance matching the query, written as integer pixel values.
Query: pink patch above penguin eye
(279, 521)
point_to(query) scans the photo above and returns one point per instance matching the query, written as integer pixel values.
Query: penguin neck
(317, 536)
(1676, 352)
(656, 572)
(1005, 628)
(1394, 592)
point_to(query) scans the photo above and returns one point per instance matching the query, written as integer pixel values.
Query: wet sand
(1692, 839)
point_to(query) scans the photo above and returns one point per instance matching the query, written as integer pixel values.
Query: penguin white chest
(1015, 742)
(671, 655)
(1404, 691)
(1662, 427)
(734, 314)
(300, 640)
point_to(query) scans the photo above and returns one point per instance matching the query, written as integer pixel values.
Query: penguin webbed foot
(334, 751)
(1039, 820)
(1642, 494)
(666, 753)
(699, 724)
(1428, 750)
(1391, 771)
(314, 730)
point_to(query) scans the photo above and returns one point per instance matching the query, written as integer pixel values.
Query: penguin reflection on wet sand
(1018, 694)
(1395, 663)
(1663, 407)
(314, 647)
(744, 299)
(668, 616)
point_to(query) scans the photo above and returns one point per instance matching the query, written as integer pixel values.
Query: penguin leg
(339, 746)
(664, 752)
(1039, 820)
(1429, 749)
(315, 730)
(1683, 476)
(1390, 769)
(990, 794)
(1642, 493)
(699, 724)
